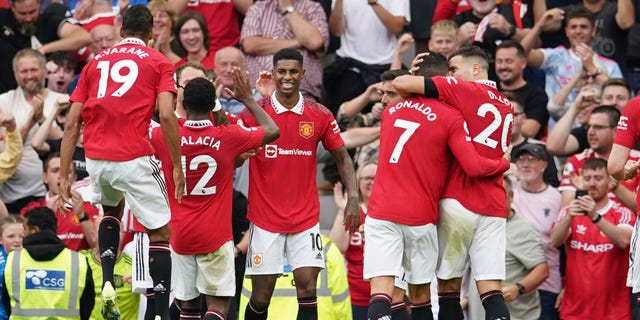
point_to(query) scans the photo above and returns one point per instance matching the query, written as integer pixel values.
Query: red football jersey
(208, 62)
(222, 22)
(596, 268)
(202, 222)
(628, 135)
(417, 139)
(283, 196)
(489, 116)
(69, 229)
(98, 19)
(118, 89)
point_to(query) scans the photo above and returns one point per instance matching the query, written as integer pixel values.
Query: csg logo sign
(271, 151)
(45, 280)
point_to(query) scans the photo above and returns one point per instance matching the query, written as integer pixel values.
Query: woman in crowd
(163, 21)
(193, 38)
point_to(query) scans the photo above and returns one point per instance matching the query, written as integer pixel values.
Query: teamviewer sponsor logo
(270, 150)
(45, 280)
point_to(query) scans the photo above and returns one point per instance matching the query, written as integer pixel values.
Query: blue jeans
(547, 305)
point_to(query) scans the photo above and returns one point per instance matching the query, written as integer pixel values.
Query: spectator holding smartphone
(596, 232)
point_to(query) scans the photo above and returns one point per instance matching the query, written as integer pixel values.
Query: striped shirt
(265, 20)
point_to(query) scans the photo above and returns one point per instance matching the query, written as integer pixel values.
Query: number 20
(483, 137)
(107, 72)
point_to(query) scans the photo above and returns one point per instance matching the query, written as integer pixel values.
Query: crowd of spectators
(570, 67)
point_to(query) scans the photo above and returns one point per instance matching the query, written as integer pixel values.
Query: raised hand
(404, 44)
(339, 196)
(499, 23)
(242, 89)
(264, 84)
(467, 31)
(416, 61)
(551, 19)
(8, 121)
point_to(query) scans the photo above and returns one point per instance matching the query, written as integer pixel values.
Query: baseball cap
(536, 150)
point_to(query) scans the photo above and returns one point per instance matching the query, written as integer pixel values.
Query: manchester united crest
(257, 259)
(306, 129)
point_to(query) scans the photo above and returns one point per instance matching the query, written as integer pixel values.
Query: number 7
(410, 128)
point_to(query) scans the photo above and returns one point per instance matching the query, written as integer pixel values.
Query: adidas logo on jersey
(108, 254)
(159, 288)
(319, 256)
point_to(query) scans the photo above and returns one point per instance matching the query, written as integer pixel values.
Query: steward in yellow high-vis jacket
(45, 280)
(334, 302)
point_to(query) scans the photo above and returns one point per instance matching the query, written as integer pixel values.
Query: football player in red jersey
(421, 140)
(203, 262)
(285, 212)
(627, 136)
(477, 204)
(115, 98)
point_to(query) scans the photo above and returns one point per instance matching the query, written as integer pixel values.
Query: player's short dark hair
(43, 218)
(389, 75)
(199, 96)
(508, 44)
(64, 59)
(580, 12)
(471, 51)
(137, 21)
(288, 54)
(612, 112)
(433, 64)
(184, 18)
(595, 164)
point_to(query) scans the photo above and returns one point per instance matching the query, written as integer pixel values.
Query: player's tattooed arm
(347, 174)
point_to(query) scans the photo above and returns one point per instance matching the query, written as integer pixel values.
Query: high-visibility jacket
(41, 290)
(332, 290)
